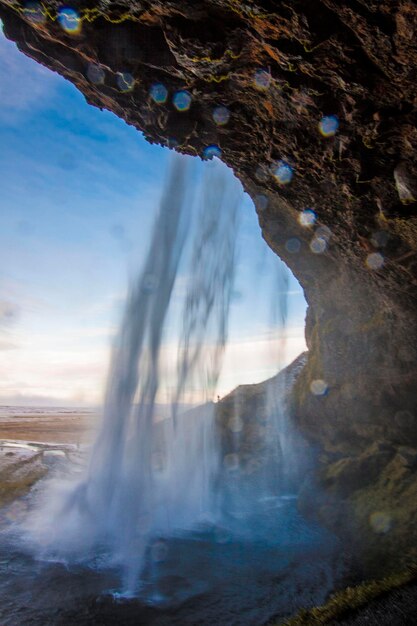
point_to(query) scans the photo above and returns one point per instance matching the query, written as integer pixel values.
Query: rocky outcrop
(260, 448)
(317, 110)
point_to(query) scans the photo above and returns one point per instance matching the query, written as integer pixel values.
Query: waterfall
(151, 478)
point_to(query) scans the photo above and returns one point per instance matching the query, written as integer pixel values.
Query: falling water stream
(168, 523)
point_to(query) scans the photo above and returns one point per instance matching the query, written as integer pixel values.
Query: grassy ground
(350, 599)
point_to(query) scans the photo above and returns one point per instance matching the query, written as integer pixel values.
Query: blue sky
(79, 192)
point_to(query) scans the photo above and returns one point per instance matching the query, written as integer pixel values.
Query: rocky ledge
(313, 105)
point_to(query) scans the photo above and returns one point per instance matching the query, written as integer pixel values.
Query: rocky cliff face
(313, 105)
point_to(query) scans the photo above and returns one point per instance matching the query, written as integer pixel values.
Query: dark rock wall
(356, 60)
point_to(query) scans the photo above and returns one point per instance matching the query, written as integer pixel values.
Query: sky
(79, 194)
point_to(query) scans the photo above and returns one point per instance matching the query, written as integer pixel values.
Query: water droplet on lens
(293, 245)
(182, 100)
(231, 462)
(95, 74)
(318, 387)
(380, 239)
(329, 125)
(158, 93)
(149, 284)
(261, 173)
(212, 151)
(323, 232)
(404, 419)
(262, 79)
(307, 217)
(318, 245)
(159, 551)
(69, 20)
(261, 202)
(283, 173)
(125, 81)
(33, 11)
(380, 522)
(221, 115)
(375, 261)
(235, 424)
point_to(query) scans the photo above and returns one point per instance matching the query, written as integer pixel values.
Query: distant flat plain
(47, 424)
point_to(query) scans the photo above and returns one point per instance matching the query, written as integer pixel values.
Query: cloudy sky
(79, 193)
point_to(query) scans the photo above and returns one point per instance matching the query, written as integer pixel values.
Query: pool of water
(256, 566)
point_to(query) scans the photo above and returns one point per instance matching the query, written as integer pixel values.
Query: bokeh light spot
(380, 522)
(159, 551)
(211, 151)
(172, 142)
(262, 79)
(158, 93)
(318, 245)
(319, 387)
(95, 74)
(125, 81)
(283, 173)
(235, 424)
(374, 261)
(380, 238)
(221, 115)
(307, 217)
(323, 232)
(182, 100)
(293, 245)
(33, 11)
(329, 125)
(69, 20)
(262, 173)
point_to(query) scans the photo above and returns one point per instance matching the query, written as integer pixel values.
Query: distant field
(54, 425)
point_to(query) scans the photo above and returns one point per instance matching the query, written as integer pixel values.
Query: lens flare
(293, 245)
(211, 151)
(328, 125)
(33, 11)
(125, 81)
(221, 115)
(283, 173)
(182, 100)
(374, 261)
(262, 80)
(69, 20)
(158, 93)
(95, 74)
(307, 217)
(319, 387)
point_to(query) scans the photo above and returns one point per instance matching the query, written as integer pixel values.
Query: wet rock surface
(279, 71)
